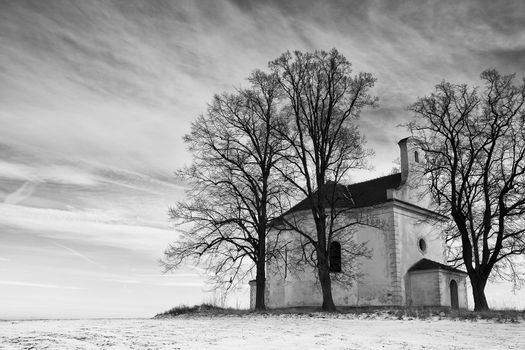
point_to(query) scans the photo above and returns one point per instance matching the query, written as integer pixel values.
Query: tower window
(416, 157)
(335, 257)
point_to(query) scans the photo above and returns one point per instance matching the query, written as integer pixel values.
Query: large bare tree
(474, 140)
(234, 190)
(324, 142)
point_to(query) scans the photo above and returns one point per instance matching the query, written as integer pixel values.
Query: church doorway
(454, 294)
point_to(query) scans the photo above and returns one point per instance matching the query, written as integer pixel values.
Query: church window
(335, 257)
(422, 245)
(416, 157)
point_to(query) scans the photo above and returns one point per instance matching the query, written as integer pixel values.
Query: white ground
(260, 332)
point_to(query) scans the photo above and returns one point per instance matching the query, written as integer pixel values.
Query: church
(405, 265)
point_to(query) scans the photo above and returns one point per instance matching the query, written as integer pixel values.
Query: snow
(314, 331)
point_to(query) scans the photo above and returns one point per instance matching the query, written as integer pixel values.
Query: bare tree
(343, 221)
(474, 140)
(325, 144)
(234, 191)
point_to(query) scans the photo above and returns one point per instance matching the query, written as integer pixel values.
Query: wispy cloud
(35, 285)
(95, 227)
(61, 174)
(22, 193)
(78, 254)
(180, 284)
(188, 284)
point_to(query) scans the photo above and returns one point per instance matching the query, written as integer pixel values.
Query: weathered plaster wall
(444, 288)
(394, 249)
(411, 227)
(432, 288)
(253, 290)
(374, 287)
(423, 288)
(299, 286)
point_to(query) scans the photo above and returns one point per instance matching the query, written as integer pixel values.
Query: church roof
(426, 264)
(358, 195)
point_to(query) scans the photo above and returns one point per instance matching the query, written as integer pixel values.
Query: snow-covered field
(261, 332)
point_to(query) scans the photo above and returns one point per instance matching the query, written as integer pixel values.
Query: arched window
(416, 156)
(335, 257)
(454, 300)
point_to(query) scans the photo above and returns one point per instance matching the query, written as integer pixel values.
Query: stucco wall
(423, 288)
(394, 249)
(411, 226)
(253, 290)
(461, 280)
(374, 287)
(299, 286)
(432, 288)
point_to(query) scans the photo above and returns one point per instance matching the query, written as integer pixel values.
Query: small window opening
(416, 157)
(422, 245)
(335, 257)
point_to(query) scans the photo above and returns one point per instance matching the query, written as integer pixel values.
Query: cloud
(124, 281)
(82, 256)
(46, 173)
(180, 284)
(512, 59)
(35, 285)
(94, 228)
(16, 171)
(120, 82)
(22, 193)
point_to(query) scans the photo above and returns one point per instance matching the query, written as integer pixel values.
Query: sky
(96, 96)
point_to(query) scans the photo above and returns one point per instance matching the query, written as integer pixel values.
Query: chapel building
(406, 263)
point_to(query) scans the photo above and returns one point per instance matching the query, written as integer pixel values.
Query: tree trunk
(260, 278)
(326, 284)
(478, 292)
(260, 284)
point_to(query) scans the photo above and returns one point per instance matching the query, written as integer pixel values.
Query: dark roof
(358, 195)
(426, 264)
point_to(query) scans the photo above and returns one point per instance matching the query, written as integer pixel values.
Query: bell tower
(411, 156)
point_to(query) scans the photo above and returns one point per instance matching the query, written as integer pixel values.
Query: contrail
(76, 253)
(22, 193)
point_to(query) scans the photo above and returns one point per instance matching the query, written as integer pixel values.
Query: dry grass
(388, 312)
(204, 309)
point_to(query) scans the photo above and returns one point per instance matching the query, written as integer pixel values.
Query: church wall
(290, 284)
(410, 228)
(374, 287)
(384, 276)
(423, 288)
(444, 288)
(295, 287)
